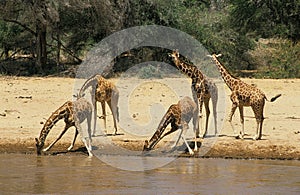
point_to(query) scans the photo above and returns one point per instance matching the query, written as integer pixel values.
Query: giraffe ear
(209, 56)
(219, 55)
(177, 52)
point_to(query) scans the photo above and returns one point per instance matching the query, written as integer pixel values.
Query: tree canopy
(50, 33)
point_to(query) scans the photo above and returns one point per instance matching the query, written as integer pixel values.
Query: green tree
(272, 18)
(33, 16)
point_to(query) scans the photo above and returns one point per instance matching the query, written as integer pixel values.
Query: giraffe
(73, 113)
(203, 88)
(103, 91)
(243, 95)
(179, 115)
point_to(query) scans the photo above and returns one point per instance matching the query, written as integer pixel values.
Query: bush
(149, 71)
(277, 58)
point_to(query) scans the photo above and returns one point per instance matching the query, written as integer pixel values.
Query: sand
(26, 103)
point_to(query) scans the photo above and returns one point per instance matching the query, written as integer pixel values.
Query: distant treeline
(257, 38)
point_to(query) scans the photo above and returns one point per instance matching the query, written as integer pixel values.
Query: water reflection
(79, 174)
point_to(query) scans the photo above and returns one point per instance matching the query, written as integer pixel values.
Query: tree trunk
(58, 48)
(41, 47)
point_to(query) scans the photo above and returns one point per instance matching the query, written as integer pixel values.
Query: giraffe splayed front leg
(184, 129)
(73, 114)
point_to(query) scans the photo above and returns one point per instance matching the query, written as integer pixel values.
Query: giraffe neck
(161, 128)
(189, 69)
(227, 77)
(52, 120)
(93, 81)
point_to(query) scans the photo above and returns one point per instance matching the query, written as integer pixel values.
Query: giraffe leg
(94, 102)
(196, 126)
(242, 132)
(258, 130)
(258, 112)
(233, 108)
(89, 119)
(180, 134)
(103, 114)
(214, 99)
(84, 137)
(73, 142)
(95, 116)
(199, 112)
(114, 110)
(67, 126)
(187, 145)
(200, 116)
(184, 128)
(207, 111)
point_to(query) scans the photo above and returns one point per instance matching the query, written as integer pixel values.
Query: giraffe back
(105, 90)
(81, 108)
(188, 109)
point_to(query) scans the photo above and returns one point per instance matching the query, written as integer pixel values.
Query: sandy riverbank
(27, 102)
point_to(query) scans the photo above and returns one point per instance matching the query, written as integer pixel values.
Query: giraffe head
(146, 146)
(39, 145)
(175, 58)
(174, 55)
(215, 55)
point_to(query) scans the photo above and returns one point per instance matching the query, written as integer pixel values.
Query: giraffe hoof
(70, 148)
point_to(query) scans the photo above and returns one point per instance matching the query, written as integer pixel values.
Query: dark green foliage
(149, 71)
(231, 27)
(272, 18)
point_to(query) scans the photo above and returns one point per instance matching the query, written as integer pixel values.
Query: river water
(68, 174)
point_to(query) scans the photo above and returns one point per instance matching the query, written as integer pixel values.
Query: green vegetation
(257, 38)
(148, 72)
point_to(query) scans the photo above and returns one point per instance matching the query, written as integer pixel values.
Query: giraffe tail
(274, 98)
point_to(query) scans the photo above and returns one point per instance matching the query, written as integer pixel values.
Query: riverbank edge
(226, 149)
